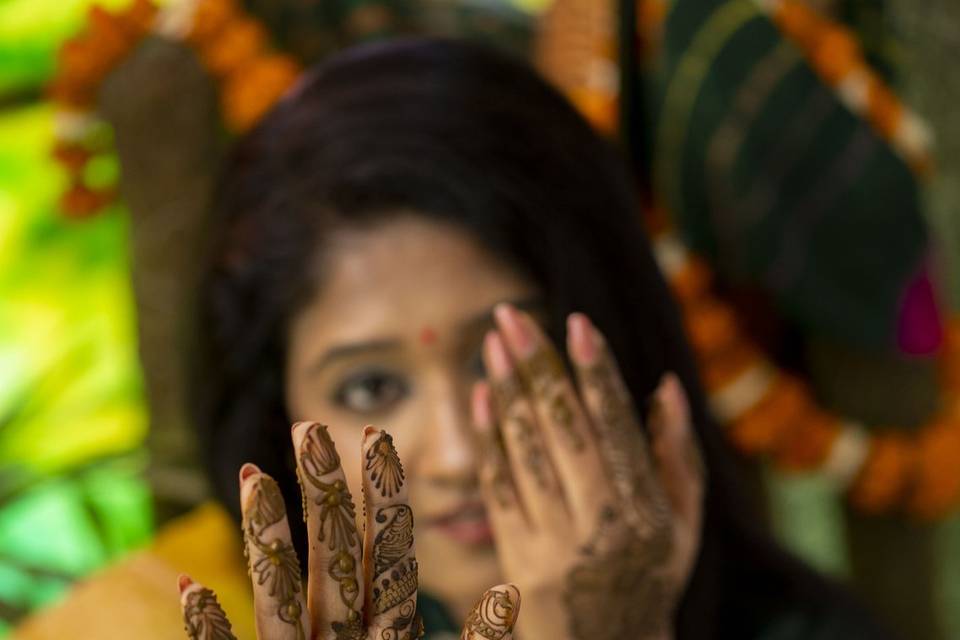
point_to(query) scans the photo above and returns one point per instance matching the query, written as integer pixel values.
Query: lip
(467, 524)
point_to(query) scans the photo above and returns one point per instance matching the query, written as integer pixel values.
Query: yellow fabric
(137, 598)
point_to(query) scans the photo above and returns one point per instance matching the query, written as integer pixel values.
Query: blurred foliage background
(72, 411)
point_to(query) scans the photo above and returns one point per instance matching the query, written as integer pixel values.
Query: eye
(371, 391)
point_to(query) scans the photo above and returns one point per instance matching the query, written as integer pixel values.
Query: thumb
(494, 615)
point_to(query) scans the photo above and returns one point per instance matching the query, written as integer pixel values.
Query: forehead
(401, 276)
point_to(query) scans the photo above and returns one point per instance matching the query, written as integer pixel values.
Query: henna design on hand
(545, 373)
(531, 448)
(395, 570)
(406, 626)
(203, 617)
(622, 447)
(508, 393)
(338, 525)
(492, 618)
(278, 565)
(384, 466)
(621, 586)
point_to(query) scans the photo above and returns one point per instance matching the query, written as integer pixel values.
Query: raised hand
(360, 585)
(597, 525)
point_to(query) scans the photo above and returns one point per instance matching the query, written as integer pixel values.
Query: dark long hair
(459, 134)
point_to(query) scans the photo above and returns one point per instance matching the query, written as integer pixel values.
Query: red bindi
(428, 336)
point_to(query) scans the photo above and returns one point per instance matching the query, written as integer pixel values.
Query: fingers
(202, 615)
(496, 481)
(274, 568)
(620, 439)
(675, 450)
(559, 415)
(389, 560)
(335, 587)
(494, 615)
(533, 475)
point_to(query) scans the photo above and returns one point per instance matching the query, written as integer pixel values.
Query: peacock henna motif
(277, 567)
(492, 618)
(394, 541)
(203, 617)
(337, 516)
(395, 570)
(620, 587)
(384, 466)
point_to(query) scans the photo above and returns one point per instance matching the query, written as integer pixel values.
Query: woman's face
(392, 338)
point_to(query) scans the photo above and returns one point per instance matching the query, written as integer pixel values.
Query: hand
(597, 527)
(355, 589)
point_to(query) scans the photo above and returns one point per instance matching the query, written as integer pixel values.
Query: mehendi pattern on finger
(203, 617)
(492, 618)
(546, 376)
(384, 466)
(277, 567)
(621, 444)
(621, 586)
(395, 569)
(407, 625)
(532, 452)
(337, 516)
(500, 479)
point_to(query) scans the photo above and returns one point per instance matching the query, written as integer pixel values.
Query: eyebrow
(350, 349)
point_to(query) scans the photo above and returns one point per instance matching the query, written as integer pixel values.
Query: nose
(449, 446)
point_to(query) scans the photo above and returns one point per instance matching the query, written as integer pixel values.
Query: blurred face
(392, 338)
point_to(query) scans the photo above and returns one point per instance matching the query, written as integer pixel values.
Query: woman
(370, 226)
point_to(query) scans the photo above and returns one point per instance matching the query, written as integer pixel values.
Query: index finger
(389, 559)
(334, 587)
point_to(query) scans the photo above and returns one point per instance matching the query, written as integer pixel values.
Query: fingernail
(480, 406)
(514, 329)
(248, 470)
(497, 357)
(583, 343)
(184, 582)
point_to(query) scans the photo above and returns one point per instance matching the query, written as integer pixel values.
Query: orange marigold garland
(766, 411)
(233, 47)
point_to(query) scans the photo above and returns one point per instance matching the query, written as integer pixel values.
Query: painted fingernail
(248, 470)
(368, 431)
(583, 342)
(497, 357)
(514, 329)
(184, 582)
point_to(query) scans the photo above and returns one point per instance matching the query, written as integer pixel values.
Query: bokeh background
(89, 305)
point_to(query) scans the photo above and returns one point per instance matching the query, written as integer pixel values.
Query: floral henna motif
(492, 618)
(277, 567)
(337, 515)
(203, 617)
(621, 587)
(384, 466)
